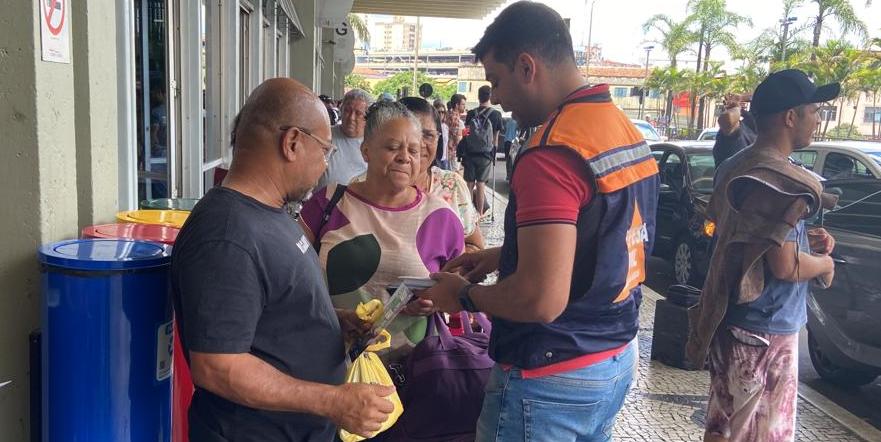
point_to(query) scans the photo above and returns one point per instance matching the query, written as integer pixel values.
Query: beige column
(305, 59)
(58, 168)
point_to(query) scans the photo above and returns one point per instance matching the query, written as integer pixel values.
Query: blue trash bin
(107, 341)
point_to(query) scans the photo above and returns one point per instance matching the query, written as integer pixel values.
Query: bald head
(277, 103)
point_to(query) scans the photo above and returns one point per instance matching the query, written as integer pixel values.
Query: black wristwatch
(465, 298)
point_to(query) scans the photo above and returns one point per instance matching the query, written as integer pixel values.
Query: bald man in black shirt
(264, 343)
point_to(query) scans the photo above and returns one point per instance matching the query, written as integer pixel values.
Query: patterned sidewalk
(669, 404)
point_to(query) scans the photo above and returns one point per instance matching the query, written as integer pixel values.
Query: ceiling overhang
(469, 9)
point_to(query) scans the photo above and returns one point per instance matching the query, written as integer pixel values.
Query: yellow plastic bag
(371, 311)
(368, 369)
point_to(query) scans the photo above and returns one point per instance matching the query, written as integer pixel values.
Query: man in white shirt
(347, 161)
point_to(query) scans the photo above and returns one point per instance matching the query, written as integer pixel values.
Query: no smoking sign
(55, 30)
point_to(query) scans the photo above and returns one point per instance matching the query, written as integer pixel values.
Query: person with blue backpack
(483, 124)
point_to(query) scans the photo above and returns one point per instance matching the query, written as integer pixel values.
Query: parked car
(841, 159)
(708, 134)
(649, 132)
(844, 340)
(683, 232)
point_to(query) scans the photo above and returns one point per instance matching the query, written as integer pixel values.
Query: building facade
(395, 35)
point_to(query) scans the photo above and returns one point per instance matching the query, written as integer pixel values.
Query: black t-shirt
(246, 280)
(727, 145)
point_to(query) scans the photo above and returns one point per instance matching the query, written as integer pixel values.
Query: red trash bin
(182, 383)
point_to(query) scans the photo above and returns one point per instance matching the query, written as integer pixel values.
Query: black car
(844, 337)
(683, 231)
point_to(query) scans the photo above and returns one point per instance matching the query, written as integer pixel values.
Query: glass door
(154, 143)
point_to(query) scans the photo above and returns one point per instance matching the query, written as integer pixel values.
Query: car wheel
(683, 263)
(830, 371)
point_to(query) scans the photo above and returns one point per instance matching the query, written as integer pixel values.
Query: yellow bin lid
(172, 218)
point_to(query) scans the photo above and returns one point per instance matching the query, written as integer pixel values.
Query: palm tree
(864, 80)
(716, 29)
(835, 61)
(843, 12)
(672, 81)
(357, 23)
(783, 44)
(712, 83)
(875, 85)
(675, 38)
(748, 77)
(874, 78)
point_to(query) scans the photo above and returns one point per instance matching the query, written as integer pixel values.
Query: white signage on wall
(344, 43)
(333, 12)
(55, 30)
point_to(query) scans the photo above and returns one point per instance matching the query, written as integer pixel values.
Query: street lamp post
(785, 22)
(416, 52)
(589, 35)
(648, 51)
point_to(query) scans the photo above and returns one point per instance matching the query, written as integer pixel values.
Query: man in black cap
(754, 300)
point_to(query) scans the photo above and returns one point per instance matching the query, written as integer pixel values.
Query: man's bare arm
(538, 291)
(788, 264)
(247, 380)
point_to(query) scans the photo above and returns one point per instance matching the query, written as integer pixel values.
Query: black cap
(787, 89)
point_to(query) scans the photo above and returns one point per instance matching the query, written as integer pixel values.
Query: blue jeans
(579, 405)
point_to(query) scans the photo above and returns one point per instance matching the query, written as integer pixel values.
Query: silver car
(836, 160)
(844, 339)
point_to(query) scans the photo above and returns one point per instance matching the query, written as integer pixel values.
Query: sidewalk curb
(847, 419)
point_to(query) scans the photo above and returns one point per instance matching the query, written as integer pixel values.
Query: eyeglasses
(328, 148)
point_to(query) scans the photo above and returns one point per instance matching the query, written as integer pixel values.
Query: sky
(617, 24)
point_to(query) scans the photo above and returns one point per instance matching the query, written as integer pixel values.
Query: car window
(672, 171)
(658, 154)
(806, 158)
(841, 166)
(701, 168)
(859, 207)
(876, 156)
(708, 136)
(648, 132)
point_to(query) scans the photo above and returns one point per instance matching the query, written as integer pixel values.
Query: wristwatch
(465, 298)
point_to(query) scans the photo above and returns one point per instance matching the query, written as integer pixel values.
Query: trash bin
(107, 341)
(182, 382)
(144, 232)
(171, 218)
(169, 204)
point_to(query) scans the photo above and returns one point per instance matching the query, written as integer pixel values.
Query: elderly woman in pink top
(374, 231)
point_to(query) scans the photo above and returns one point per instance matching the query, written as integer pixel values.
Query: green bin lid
(169, 203)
